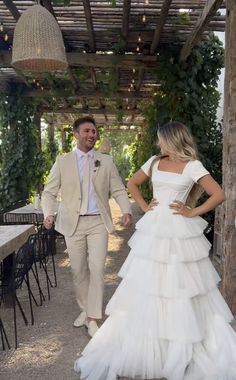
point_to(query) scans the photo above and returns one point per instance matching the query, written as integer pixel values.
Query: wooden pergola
(126, 40)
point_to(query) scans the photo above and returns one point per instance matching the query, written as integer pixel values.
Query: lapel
(75, 169)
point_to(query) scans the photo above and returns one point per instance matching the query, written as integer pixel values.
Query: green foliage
(188, 93)
(21, 166)
(120, 143)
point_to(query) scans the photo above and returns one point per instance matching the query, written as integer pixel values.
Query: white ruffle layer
(151, 247)
(162, 223)
(181, 319)
(113, 352)
(186, 279)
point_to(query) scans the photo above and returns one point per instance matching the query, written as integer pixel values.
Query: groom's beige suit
(86, 236)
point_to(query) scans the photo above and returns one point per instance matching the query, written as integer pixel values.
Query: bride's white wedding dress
(167, 318)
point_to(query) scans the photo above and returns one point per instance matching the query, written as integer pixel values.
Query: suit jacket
(64, 178)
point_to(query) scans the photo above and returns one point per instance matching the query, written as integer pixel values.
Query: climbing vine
(21, 164)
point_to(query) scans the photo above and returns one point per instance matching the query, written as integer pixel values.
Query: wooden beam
(90, 94)
(98, 60)
(125, 22)
(160, 25)
(229, 159)
(208, 12)
(48, 5)
(87, 110)
(12, 8)
(89, 21)
(140, 79)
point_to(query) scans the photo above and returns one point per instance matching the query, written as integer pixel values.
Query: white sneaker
(81, 320)
(92, 328)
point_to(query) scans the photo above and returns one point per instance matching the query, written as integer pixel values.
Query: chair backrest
(41, 243)
(17, 218)
(23, 262)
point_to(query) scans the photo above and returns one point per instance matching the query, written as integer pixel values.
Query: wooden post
(229, 160)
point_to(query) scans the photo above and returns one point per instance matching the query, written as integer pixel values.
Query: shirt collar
(80, 153)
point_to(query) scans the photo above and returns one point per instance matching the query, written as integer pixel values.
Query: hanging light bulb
(144, 18)
(6, 37)
(139, 38)
(133, 80)
(133, 70)
(137, 48)
(1, 27)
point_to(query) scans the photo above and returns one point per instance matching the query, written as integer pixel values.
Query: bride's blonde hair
(177, 141)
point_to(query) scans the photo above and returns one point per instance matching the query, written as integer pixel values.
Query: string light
(139, 38)
(131, 85)
(42, 88)
(1, 27)
(6, 37)
(133, 80)
(144, 18)
(134, 70)
(146, 2)
(129, 89)
(137, 48)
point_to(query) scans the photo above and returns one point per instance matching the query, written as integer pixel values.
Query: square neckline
(165, 171)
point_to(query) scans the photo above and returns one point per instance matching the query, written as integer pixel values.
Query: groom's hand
(49, 222)
(127, 219)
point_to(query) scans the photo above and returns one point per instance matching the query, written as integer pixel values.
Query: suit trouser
(87, 250)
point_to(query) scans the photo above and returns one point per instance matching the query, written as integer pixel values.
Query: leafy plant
(21, 167)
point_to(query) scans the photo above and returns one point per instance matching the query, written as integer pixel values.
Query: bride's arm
(215, 192)
(216, 197)
(133, 186)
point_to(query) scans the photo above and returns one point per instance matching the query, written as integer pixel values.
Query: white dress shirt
(92, 204)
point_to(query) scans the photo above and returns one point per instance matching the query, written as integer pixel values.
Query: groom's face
(86, 136)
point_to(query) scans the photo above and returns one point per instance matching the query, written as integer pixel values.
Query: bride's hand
(151, 205)
(181, 209)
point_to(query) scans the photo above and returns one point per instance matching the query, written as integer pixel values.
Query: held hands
(151, 205)
(181, 209)
(49, 222)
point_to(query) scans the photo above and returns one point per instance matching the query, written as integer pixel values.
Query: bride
(167, 318)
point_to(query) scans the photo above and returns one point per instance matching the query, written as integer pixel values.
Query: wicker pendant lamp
(37, 43)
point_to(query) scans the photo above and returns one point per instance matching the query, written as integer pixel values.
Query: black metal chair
(43, 247)
(4, 338)
(22, 264)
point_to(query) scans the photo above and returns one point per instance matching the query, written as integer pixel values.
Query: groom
(85, 179)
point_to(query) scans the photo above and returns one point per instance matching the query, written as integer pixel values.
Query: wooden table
(12, 237)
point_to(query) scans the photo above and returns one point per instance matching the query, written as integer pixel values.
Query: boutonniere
(97, 163)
